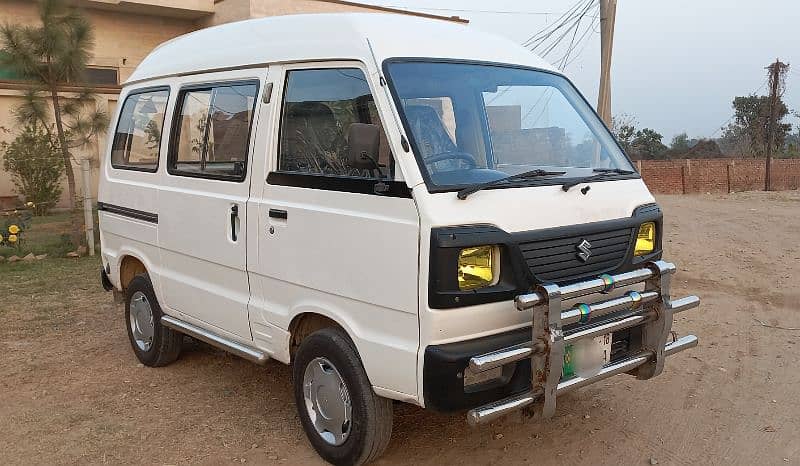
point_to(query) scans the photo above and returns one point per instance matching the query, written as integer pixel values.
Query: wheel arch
(129, 267)
(307, 322)
(129, 264)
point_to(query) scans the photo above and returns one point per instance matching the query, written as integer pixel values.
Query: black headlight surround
(447, 243)
(649, 213)
(515, 276)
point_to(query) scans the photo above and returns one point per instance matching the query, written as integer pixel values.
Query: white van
(401, 209)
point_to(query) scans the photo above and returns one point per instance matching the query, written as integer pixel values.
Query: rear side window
(138, 137)
(212, 131)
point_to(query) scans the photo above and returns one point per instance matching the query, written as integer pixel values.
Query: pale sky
(677, 63)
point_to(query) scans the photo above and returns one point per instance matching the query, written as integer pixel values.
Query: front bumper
(533, 358)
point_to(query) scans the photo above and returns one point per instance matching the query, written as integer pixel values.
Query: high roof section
(342, 36)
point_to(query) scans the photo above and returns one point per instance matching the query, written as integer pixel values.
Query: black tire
(166, 343)
(371, 426)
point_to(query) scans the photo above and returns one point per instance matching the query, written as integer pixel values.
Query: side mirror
(365, 143)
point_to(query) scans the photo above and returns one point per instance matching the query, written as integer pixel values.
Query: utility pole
(608, 14)
(777, 75)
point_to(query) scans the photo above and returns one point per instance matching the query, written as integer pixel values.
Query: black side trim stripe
(341, 183)
(128, 212)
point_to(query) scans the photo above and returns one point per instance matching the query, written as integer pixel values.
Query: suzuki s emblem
(584, 250)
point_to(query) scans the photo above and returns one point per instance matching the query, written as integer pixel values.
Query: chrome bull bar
(652, 309)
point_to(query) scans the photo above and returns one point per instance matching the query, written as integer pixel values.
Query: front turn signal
(476, 267)
(645, 239)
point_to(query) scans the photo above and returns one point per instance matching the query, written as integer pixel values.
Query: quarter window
(138, 136)
(323, 109)
(213, 131)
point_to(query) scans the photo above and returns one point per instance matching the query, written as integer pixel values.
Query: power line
(723, 125)
(560, 22)
(573, 44)
(544, 46)
(573, 21)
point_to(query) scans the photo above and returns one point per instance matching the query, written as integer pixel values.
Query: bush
(13, 227)
(36, 167)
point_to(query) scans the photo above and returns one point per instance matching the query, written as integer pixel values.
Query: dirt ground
(72, 392)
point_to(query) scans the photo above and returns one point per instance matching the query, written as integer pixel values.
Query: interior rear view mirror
(365, 141)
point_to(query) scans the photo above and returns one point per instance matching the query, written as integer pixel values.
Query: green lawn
(47, 283)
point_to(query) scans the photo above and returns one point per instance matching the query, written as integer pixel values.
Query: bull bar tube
(652, 309)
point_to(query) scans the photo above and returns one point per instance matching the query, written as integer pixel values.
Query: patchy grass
(49, 285)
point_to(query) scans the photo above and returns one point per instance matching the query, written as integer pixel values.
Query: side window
(330, 126)
(212, 131)
(138, 137)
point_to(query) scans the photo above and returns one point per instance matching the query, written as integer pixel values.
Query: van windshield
(475, 123)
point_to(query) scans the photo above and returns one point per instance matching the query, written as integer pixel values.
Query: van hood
(535, 207)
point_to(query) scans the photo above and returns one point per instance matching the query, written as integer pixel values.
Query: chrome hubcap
(141, 321)
(327, 401)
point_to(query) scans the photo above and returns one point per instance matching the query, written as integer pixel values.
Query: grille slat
(595, 261)
(556, 260)
(563, 273)
(570, 241)
(566, 253)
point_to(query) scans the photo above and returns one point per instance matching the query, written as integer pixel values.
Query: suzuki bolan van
(404, 210)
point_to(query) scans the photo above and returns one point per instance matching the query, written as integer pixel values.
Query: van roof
(338, 36)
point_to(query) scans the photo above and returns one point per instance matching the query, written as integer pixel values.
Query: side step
(243, 351)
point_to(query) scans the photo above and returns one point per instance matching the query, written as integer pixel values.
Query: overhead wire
(584, 8)
(557, 24)
(547, 46)
(725, 123)
(571, 19)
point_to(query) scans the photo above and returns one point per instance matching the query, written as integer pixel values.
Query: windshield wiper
(464, 193)
(599, 174)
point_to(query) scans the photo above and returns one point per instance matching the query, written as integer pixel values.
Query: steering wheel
(452, 155)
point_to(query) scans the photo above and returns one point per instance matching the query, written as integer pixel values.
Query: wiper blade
(618, 171)
(599, 174)
(464, 193)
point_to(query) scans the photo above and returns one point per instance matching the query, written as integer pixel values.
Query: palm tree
(48, 57)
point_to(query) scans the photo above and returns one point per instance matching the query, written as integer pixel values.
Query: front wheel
(345, 421)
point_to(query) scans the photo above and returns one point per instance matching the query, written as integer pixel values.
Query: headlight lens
(645, 239)
(476, 267)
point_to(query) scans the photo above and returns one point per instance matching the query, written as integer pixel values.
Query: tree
(625, 137)
(751, 120)
(793, 144)
(48, 57)
(36, 167)
(642, 143)
(680, 144)
(647, 144)
(622, 127)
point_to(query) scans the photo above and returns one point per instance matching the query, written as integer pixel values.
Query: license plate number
(586, 357)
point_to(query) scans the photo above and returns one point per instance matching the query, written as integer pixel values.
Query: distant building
(127, 30)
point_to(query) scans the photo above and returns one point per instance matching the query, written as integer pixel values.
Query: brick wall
(717, 175)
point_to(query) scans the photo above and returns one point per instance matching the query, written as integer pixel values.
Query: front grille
(556, 260)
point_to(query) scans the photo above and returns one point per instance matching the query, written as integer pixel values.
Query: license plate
(586, 357)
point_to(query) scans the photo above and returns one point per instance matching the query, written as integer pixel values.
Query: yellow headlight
(645, 239)
(476, 267)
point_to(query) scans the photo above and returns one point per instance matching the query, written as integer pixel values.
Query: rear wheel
(345, 421)
(154, 344)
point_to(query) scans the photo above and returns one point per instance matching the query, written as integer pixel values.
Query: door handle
(278, 213)
(234, 216)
